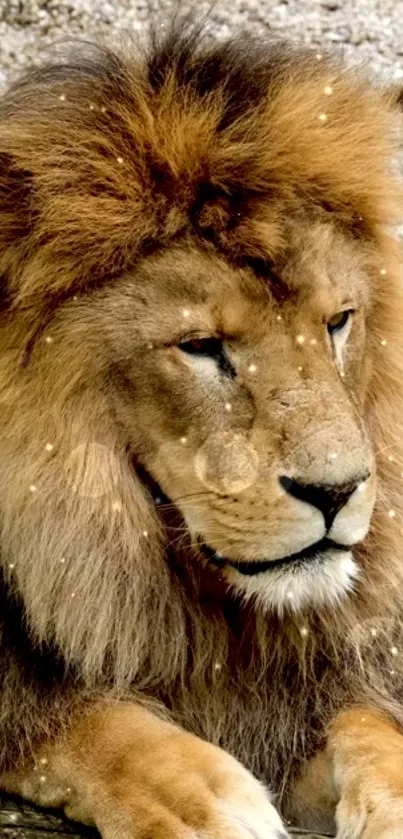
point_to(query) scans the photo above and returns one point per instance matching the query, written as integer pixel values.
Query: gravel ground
(366, 31)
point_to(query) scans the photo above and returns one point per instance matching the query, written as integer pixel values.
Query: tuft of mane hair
(109, 156)
(104, 159)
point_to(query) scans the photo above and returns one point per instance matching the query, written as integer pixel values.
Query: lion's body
(123, 186)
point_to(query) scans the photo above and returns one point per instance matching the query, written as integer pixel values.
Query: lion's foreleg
(136, 776)
(359, 776)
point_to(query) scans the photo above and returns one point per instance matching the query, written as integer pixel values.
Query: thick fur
(106, 162)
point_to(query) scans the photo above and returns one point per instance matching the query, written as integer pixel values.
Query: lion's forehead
(320, 269)
(324, 265)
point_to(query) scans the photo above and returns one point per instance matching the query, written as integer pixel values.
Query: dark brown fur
(219, 145)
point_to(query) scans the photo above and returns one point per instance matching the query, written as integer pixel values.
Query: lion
(201, 387)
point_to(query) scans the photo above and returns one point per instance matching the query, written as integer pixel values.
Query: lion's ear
(16, 221)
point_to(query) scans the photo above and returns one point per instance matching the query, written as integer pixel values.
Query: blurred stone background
(366, 31)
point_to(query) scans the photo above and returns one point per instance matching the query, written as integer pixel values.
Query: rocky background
(366, 31)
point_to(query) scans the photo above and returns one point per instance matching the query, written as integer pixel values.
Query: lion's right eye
(207, 347)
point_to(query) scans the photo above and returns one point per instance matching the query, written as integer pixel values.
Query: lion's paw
(385, 823)
(363, 821)
(225, 820)
(244, 820)
(140, 777)
(237, 817)
(202, 794)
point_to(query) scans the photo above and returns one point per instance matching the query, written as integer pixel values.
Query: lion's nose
(328, 498)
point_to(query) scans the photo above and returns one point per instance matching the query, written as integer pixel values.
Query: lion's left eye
(339, 321)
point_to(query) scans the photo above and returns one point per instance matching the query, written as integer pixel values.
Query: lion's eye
(211, 347)
(339, 321)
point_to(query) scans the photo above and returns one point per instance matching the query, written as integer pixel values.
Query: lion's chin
(324, 580)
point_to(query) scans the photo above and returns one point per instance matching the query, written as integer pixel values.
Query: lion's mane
(104, 159)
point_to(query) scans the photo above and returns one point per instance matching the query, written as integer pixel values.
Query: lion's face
(240, 396)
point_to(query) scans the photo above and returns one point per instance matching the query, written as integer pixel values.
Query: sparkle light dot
(290, 595)
(383, 342)
(279, 317)
(13, 817)
(333, 456)
(342, 374)
(145, 533)
(390, 458)
(394, 651)
(43, 761)
(319, 56)
(313, 342)
(303, 631)
(374, 632)
(68, 790)
(48, 339)
(322, 117)
(252, 368)
(184, 440)
(103, 109)
(363, 719)
(186, 313)
(300, 339)
(42, 779)
(32, 488)
(62, 559)
(117, 505)
(328, 90)
(49, 447)
(62, 97)
(92, 107)
(392, 514)
(11, 566)
(119, 159)
(217, 666)
(228, 406)
(383, 271)
(157, 500)
(392, 672)
(75, 297)
(73, 594)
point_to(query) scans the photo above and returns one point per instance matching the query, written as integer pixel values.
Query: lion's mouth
(317, 551)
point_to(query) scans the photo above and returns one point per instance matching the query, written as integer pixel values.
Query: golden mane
(104, 159)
